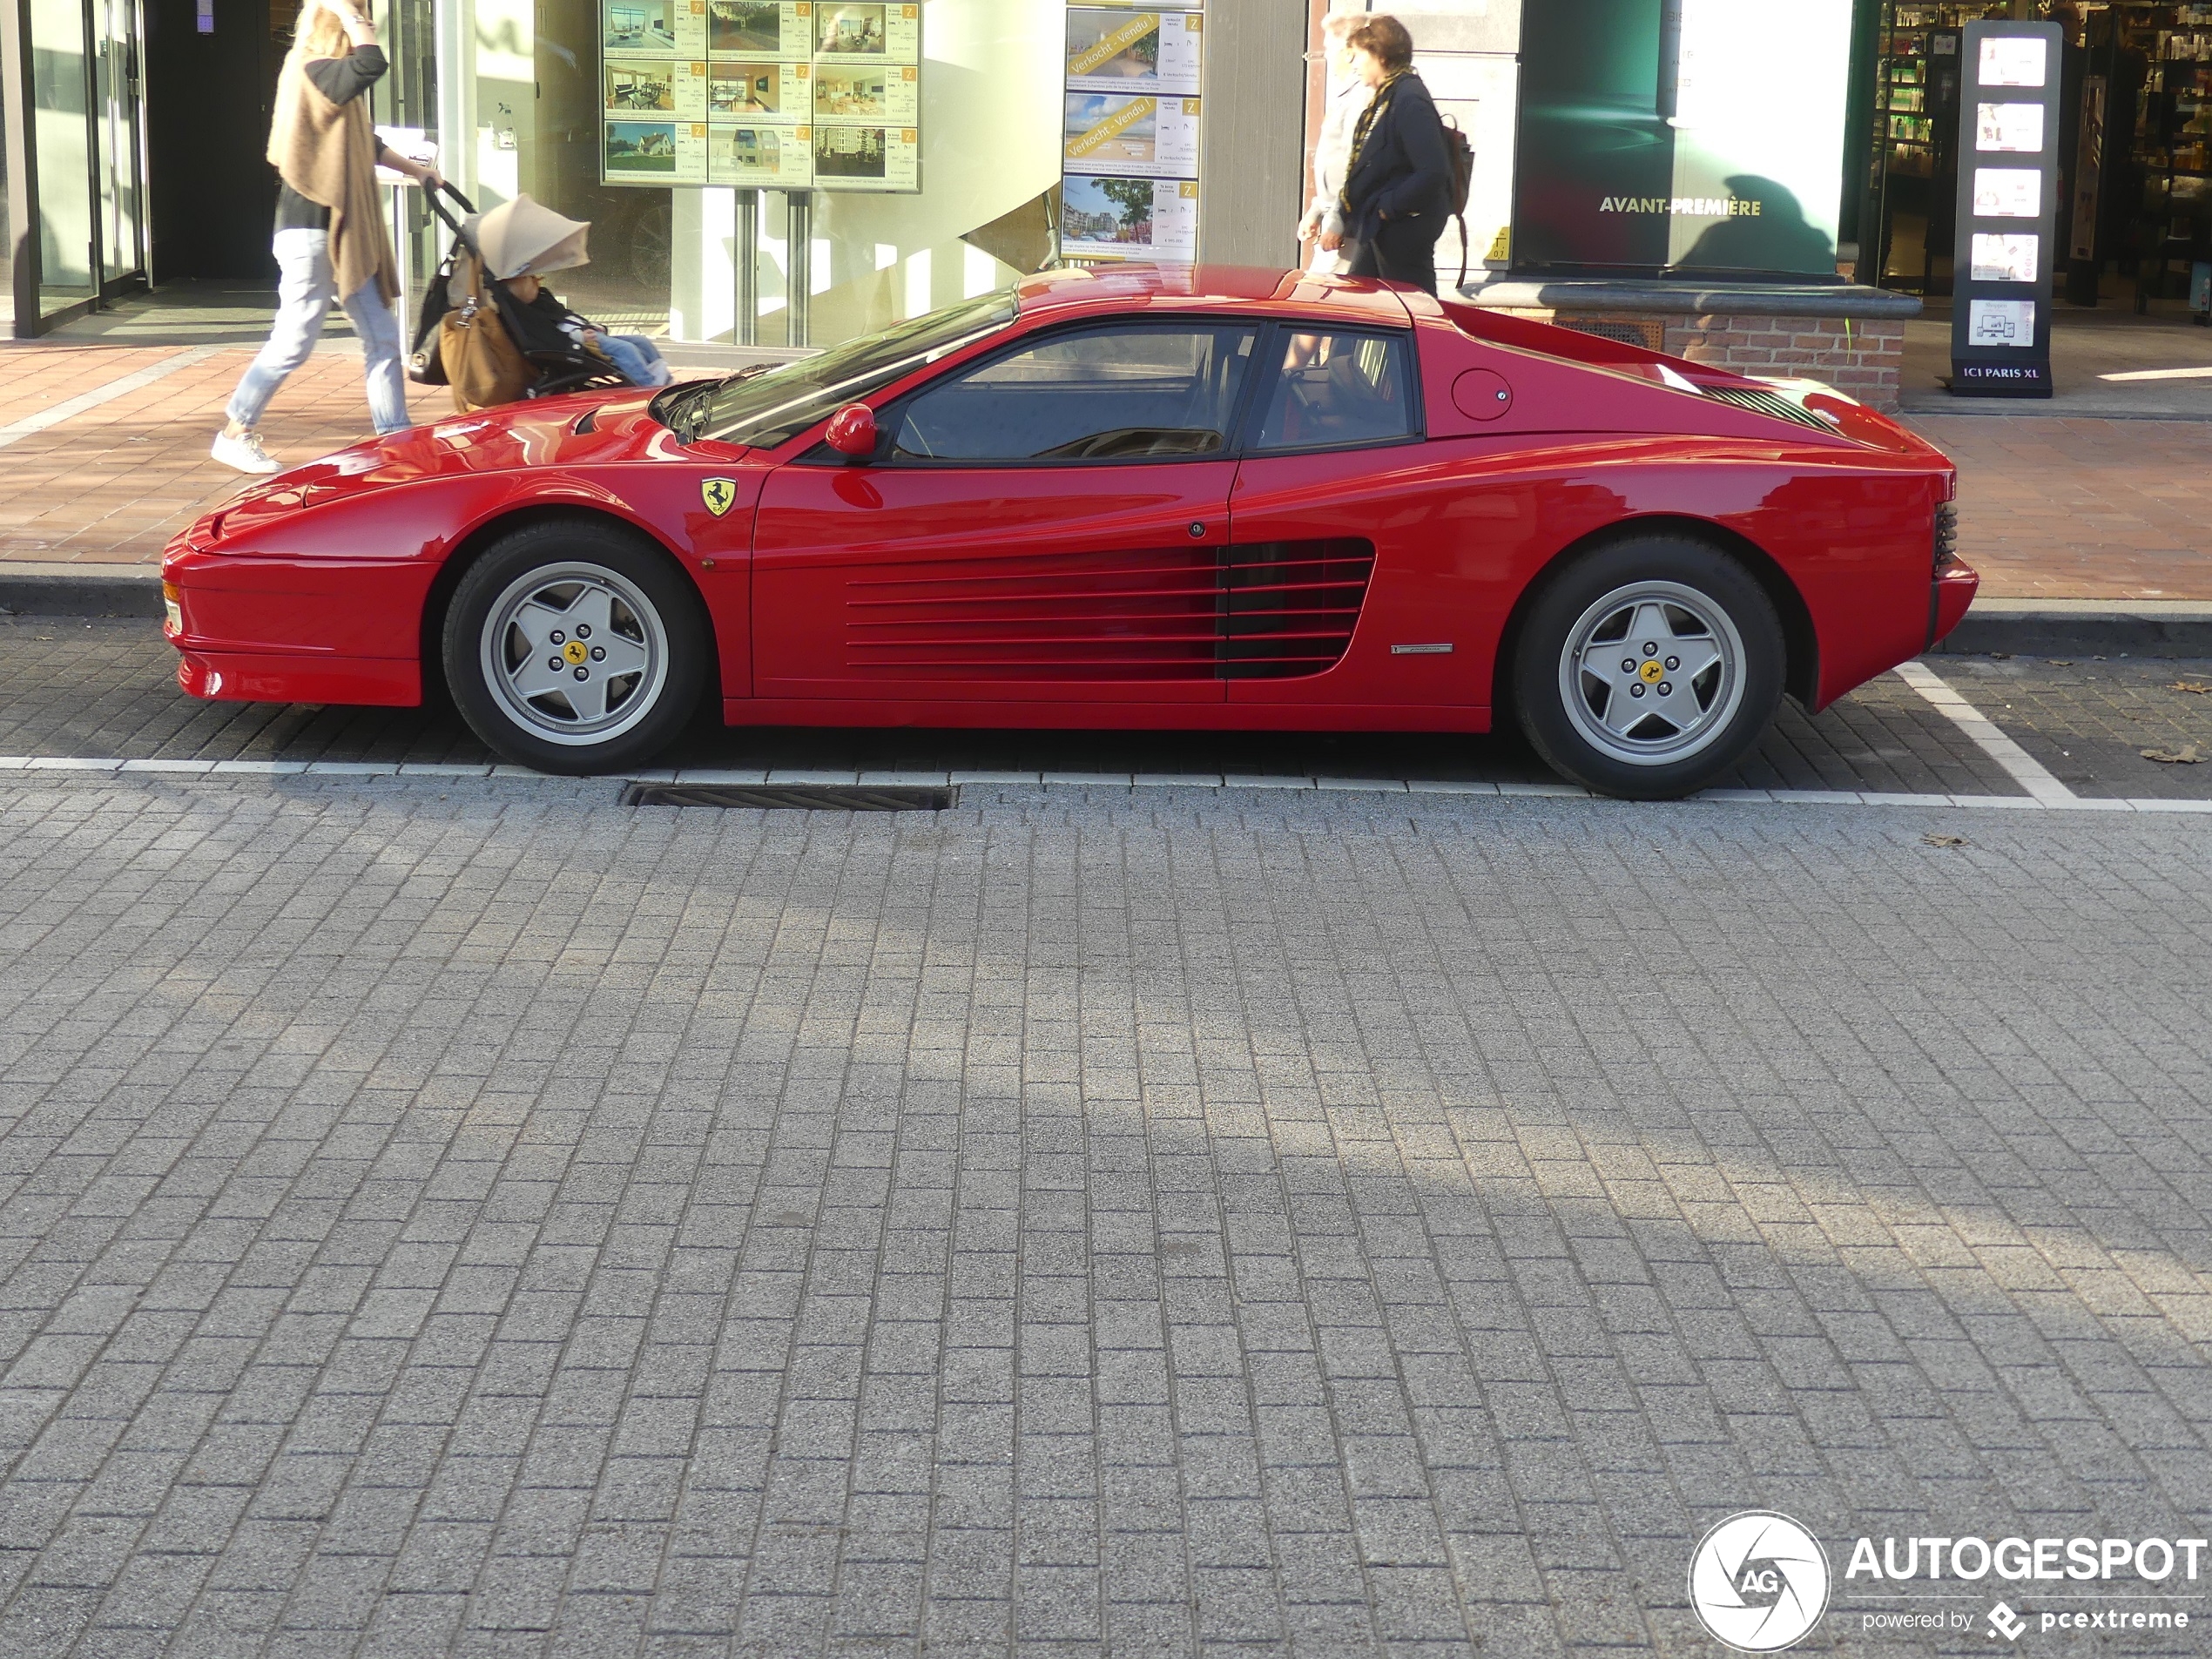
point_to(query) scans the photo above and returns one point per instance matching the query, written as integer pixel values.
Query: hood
(595, 427)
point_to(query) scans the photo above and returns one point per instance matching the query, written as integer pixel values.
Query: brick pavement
(2072, 508)
(480, 1219)
(112, 485)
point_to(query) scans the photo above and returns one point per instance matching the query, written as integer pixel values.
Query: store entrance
(2135, 221)
(211, 76)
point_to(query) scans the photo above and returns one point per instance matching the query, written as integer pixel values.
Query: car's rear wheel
(571, 647)
(1649, 668)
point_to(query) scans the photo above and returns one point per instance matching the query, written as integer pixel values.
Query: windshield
(762, 410)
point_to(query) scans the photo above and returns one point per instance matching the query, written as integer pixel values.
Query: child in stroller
(519, 241)
(547, 324)
(491, 291)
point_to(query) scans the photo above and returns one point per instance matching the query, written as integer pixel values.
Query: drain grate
(802, 797)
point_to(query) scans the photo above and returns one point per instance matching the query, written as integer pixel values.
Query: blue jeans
(305, 286)
(637, 358)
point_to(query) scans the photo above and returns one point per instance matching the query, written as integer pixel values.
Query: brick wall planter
(1851, 337)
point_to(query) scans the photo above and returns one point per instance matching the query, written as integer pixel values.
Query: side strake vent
(1760, 401)
(1946, 536)
(1289, 608)
(1267, 610)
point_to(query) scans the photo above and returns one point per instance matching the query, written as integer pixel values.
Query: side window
(1335, 390)
(1155, 390)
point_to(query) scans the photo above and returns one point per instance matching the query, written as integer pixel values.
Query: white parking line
(2060, 798)
(17, 430)
(2026, 771)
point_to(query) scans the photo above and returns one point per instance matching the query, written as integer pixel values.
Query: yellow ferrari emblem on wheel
(1652, 672)
(718, 493)
(575, 651)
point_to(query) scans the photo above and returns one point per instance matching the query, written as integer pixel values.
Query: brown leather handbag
(482, 364)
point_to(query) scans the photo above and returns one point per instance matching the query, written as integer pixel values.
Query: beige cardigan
(327, 152)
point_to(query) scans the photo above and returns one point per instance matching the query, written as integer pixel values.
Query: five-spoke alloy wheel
(571, 647)
(1648, 667)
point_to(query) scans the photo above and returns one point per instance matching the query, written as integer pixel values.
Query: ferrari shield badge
(718, 493)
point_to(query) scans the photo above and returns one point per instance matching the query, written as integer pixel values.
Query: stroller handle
(438, 207)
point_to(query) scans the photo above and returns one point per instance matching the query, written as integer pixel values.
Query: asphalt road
(104, 689)
(451, 1213)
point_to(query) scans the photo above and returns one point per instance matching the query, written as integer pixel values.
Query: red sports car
(1142, 498)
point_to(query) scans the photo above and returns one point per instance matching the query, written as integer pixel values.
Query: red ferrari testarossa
(1222, 499)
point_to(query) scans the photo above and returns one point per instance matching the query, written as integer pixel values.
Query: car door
(1348, 531)
(1043, 525)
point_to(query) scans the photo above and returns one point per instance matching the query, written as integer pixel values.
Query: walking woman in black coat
(1398, 185)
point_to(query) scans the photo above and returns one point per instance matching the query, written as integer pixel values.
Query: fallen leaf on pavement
(2184, 755)
(1944, 840)
(2195, 687)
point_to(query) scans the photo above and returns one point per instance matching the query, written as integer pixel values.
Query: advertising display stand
(2008, 175)
(1129, 167)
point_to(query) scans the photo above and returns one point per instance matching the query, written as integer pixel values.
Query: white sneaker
(244, 452)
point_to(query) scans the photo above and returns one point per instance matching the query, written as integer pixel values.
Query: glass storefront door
(83, 192)
(61, 107)
(116, 104)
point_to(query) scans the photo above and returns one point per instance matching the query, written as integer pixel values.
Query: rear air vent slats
(1761, 401)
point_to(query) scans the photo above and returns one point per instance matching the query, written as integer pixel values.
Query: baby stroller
(470, 312)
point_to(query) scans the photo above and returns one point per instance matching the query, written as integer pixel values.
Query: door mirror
(852, 431)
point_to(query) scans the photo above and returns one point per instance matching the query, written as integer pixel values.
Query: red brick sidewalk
(111, 484)
(2078, 508)
(2050, 508)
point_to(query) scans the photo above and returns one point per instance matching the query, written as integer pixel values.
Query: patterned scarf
(1367, 119)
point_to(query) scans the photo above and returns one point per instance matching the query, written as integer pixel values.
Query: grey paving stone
(465, 1216)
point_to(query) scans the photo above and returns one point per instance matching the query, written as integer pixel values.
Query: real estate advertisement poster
(885, 34)
(866, 158)
(754, 155)
(1148, 52)
(758, 91)
(655, 151)
(674, 86)
(1681, 135)
(1154, 220)
(656, 28)
(863, 93)
(746, 93)
(1109, 132)
(783, 29)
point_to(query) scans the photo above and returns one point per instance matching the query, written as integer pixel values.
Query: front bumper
(261, 629)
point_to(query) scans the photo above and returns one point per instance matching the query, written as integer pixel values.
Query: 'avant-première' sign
(2008, 161)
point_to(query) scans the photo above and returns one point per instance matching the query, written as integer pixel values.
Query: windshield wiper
(675, 407)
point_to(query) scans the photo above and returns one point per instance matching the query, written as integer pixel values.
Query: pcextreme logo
(1758, 1581)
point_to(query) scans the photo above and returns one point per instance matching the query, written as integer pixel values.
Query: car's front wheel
(1649, 668)
(570, 648)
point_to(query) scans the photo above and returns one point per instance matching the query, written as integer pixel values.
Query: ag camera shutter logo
(1758, 1581)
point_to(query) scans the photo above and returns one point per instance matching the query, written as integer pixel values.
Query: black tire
(1679, 721)
(609, 600)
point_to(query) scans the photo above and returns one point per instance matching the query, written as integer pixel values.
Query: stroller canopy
(525, 238)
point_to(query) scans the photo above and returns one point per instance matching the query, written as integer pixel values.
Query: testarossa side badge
(718, 494)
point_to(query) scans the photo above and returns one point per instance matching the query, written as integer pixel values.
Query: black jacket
(1404, 169)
